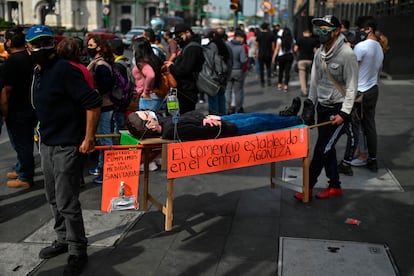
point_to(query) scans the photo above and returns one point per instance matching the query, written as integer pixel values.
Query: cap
(181, 27)
(327, 20)
(38, 31)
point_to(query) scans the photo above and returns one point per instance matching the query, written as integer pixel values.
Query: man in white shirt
(370, 57)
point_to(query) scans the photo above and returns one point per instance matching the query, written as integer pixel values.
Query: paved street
(232, 222)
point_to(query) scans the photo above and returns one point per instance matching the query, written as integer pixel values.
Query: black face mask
(360, 36)
(325, 38)
(91, 52)
(180, 41)
(44, 56)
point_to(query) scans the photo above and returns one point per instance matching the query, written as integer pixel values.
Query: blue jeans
(62, 169)
(20, 127)
(119, 120)
(104, 127)
(248, 123)
(217, 104)
(150, 104)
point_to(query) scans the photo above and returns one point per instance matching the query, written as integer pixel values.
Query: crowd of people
(49, 86)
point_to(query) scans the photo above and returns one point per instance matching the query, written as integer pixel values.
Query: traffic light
(234, 5)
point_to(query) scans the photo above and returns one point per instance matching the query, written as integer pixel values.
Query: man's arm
(92, 119)
(4, 105)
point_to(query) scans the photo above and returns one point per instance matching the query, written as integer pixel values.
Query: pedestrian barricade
(182, 159)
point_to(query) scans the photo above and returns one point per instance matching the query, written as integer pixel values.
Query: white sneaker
(152, 167)
(158, 161)
(359, 162)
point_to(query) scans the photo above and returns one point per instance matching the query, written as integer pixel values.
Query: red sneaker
(299, 195)
(329, 192)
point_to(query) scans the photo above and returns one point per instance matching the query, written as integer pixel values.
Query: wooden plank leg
(272, 174)
(305, 183)
(169, 205)
(146, 178)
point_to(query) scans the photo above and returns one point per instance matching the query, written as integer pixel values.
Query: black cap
(327, 20)
(180, 28)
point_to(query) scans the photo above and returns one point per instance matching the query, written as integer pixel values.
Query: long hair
(218, 39)
(106, 50)
(144, 54)
(287, 40)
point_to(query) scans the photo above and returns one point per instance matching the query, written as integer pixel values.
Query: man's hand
(87, 146)
(337, 119)
(211, 122)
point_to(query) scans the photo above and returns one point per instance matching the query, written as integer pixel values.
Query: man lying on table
(195, 126)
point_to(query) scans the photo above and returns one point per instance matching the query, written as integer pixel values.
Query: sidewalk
(232, 222)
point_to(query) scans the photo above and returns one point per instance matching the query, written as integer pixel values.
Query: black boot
(308, 112)
(293, 109)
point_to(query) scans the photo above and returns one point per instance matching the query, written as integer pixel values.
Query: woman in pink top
(147, 75)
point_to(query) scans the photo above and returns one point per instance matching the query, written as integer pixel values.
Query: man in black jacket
(68, 110)
(186, 66)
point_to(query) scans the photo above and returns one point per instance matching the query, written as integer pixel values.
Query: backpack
(123, 84)
(167, 81)
(159, 53)
(214, 71)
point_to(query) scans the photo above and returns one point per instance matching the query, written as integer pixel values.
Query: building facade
(118, 15)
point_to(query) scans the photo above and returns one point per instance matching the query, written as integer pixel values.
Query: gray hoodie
(239, 54)
(343, 65)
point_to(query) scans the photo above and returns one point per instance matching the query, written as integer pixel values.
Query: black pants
(285, 65)
(324, 154)
(265, 61)
(363, 115)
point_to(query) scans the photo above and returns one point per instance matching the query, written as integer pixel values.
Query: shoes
(75, 265)
(17, 183)
(329, 192)
(285, 88)
(53, 250)
(98, 179)
(201, 101)
(231, 110)
(240, 110)
(299, 195)
(345, 169)
(152, 167)
(95, 171)
(372, 165)
(12, 175)
(359, 162)
(293, 109)
(308, 112)
(279, 86)
(158, 161)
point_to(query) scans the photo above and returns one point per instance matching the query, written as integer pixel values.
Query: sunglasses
(325, 30)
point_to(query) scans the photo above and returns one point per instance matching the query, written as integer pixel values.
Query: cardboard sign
(120, 166)
(205, 156)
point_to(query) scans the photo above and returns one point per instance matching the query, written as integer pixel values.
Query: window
(126, 9)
